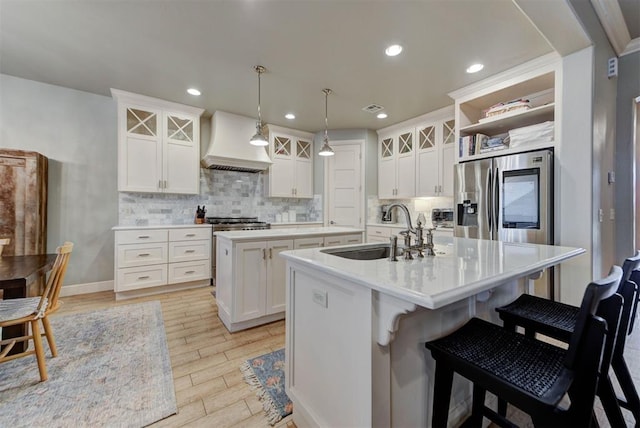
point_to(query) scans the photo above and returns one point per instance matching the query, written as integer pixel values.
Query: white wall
(77, 131)
(626, 167)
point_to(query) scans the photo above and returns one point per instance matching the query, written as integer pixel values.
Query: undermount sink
(360, 253)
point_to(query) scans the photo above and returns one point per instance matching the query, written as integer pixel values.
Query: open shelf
(509, 151)
(518, 119)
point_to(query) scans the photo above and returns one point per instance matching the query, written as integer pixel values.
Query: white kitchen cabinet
(149, 258)
(383, 233)
(435, 158)
(251, 282)
(291, 174)
(251, 276)
(158, 145)
(396, 164)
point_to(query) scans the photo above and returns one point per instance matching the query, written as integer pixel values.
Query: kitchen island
(250, 277)
(355, 329)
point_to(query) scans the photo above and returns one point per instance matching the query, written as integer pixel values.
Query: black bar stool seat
(558, 320)
(531, 374)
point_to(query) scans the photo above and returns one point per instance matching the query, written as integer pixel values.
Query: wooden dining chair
(31, 309)
(3, 242)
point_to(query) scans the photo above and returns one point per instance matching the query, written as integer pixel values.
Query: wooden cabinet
(534, 82)
(148, 258)
(396, 164)
(23, 202)
(291, 174)
(158, 145)
(435, 158)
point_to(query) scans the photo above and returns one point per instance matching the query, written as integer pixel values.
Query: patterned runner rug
(266, 374)
(112, 369)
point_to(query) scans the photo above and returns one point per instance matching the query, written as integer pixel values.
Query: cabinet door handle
(264, 254)
(189, 272)
(440, 188)
(165, 184)
(270, 253)
(189, 235)
(143, 254)
(143, 236)
(189, 251)
(144, 277)
(159, 184)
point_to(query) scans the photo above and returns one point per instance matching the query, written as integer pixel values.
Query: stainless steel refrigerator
(507, 198)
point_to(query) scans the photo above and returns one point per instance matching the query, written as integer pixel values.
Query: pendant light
(326, 149)
(259, 139)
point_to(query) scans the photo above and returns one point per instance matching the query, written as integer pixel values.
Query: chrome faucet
(407, 216)
(420, 245)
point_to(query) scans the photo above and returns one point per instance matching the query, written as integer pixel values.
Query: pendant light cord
(326, 121)
(259, 113)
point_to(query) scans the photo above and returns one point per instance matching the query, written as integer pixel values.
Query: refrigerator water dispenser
(467, 213)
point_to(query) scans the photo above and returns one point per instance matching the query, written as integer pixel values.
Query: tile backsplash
(223, 193)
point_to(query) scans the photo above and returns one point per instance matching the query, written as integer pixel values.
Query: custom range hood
(229, 148)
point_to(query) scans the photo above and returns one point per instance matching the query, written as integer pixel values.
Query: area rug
(265, 374)
(113, 369)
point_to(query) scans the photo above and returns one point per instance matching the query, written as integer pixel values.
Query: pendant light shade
(259, 138)
(326, 149)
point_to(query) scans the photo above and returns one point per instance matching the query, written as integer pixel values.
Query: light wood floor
(205, 358)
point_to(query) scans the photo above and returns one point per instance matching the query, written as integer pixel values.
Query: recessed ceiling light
(193, 91)
(382, 115)
(393, 50)
(475, 68)
(290, 116)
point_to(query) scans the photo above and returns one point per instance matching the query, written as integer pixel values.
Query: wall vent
(373, 108)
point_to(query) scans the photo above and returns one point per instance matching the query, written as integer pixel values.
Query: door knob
(332, 222)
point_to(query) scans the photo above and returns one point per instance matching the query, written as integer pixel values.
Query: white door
(344, 189)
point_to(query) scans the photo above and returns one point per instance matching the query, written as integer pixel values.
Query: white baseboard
(90, 287)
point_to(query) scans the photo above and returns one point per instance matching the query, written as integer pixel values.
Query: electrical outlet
(611, 177)
(600, 215)
(319, 297)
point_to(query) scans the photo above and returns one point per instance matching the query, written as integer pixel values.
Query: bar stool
(557, 320)
(532, 375)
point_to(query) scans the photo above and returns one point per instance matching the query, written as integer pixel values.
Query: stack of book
(470, 145)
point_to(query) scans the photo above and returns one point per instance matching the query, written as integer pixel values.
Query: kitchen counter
(356, 329)
(462, 268)
(294, 232)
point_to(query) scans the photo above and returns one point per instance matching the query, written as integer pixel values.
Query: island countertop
(462, 268)
(294, 232)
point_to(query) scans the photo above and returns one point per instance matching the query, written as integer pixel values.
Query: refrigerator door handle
(489, 205)
(496, 201)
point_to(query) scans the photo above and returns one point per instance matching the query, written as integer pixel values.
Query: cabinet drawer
(184, 251)
(189, 271)
(352, 239)
(190, 234)
(379, 231)
(141, 254)
(141, 277)
(302, 243)
(141, 236)
(333, 241)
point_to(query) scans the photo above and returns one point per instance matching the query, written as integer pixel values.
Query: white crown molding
(614, 25)
(632, 46)
(130, 97)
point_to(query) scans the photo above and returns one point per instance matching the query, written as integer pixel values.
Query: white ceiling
(160, 48)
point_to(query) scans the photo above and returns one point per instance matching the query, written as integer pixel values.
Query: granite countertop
(462, 268)
(294, 232)
(161, 226)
